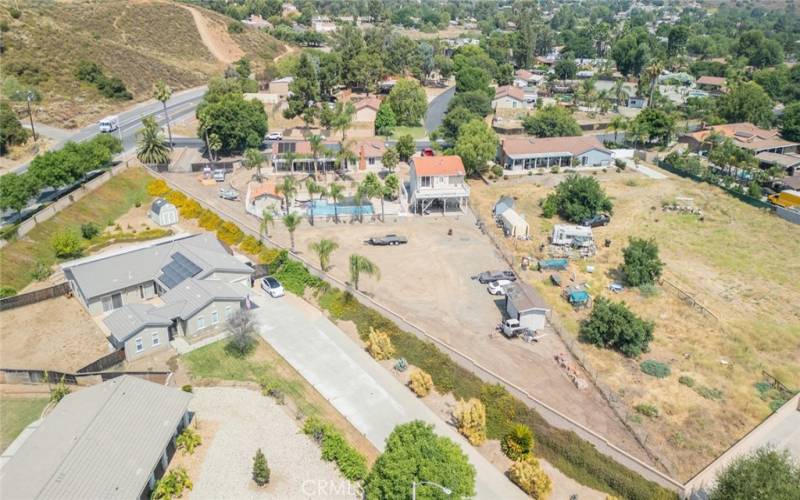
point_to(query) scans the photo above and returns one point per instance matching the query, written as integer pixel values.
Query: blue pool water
(323, 208)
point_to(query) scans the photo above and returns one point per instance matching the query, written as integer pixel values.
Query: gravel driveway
(246, 421)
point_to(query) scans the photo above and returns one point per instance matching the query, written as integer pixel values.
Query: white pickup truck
(108, 124)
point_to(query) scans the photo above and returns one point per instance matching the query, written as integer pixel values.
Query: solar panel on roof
(179, 269)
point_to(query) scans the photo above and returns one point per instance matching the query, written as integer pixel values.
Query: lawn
(738, 261)
(16, 414)
(102, 206)
(211, 364)
(415, 132)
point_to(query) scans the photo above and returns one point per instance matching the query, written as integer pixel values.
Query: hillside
(138, 42)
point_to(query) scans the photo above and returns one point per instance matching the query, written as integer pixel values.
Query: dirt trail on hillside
(215, 38)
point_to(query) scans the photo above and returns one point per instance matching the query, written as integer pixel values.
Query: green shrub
(187, 388)
(90, 230)
(41, 271)
(655, 368)
(709, 393)
(251, 245)
(686, 380)
(14, 12)
(613, 325)
(295, 277)
(66, 244)
(641, 265)
(230, 233)
(335, 448)
(209, 220)
(7, 291)
(497, 170)
(188, 441)
(9, 232)
(518, 444)
(261, 471)
(190, 209)
(235, 27)
(172, 484)
(647, 410)
(649, 290)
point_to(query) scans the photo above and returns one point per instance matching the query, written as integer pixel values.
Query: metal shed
(163, 212)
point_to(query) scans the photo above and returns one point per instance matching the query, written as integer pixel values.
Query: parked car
(228, 194)
(389, 239)
(489, 276)
(274, 136)
(511, 328)
(428, 152)
(219, 175)
(272, 286)
(498, 287)
(597, 221)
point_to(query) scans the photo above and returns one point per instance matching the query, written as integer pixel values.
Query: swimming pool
(344, 207)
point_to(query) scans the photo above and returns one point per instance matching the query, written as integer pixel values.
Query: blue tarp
(553, 264)
(578, 297)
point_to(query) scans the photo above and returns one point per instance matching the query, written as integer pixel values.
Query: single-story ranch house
(112, 441)
(546, 152)
(744, 135)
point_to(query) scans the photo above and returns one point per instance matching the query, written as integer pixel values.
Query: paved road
(437, 108)
(358, 387)
(180, 105)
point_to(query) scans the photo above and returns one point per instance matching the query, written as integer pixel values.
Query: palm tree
(313, 188)
(360, 264)
(152, 149)
(291, 221)
(619, 92)
(345, 155)
(358, 199)
(288, 159)
(652, 73)
(373, 187)
(603, 101)
(267, 219)
(324, 248)
(315, 142)
(162, 92)
(214, 145)
(335, 191)
(618, 123)
(288, 188)
(253, 159)
(343, 117)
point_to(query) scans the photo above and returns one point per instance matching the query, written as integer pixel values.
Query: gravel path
(247, 421)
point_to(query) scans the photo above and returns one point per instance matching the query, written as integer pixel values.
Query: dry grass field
(739, 262)
(140, 42)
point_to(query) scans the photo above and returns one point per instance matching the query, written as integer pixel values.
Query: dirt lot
(56, 334)
(724, 263)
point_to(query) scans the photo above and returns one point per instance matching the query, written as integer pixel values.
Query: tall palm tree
(335, 191)
(358, 199)
(652, 73)
(214, 145)
(288, 188)
(291, 221)
(267, 219)
(360, 264)
(619, 92)
(152, 149)
(372, 187)
(288, 159)
(324, 248)
(162, 92)
(313, 188)
(616, 124)
(343, 117)
(603, 101)
(315, 142)
(345, 155)
(253, 158)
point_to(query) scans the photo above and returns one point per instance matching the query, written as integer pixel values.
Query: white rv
(109, 124)
(576, 236)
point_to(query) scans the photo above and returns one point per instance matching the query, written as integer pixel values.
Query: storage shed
(524, 304)
(163, 212)
(503, 204)
(514, 224)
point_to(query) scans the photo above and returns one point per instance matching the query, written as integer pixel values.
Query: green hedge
(335, 448)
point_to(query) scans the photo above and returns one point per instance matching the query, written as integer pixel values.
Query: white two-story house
(437, 183)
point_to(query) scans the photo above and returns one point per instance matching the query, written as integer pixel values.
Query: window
(425, 181)
(156, 339)
(201, 322)
(214, 317)
(139, 344)
(371, 161)
(228, 312)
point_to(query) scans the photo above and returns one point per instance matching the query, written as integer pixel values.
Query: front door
(116, 300)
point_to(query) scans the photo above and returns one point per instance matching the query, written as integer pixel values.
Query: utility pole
(30, 114)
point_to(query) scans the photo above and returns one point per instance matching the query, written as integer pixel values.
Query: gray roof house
(110, 280)
(108, 441)
(503, 204)
(163, 212)
(525, 304)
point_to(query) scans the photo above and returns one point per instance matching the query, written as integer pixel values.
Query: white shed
(564, 234)
(526, 306)
(163, 213)
(514, 224)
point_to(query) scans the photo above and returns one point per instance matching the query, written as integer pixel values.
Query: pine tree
(260, 468)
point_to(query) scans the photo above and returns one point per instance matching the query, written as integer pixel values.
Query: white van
(109, 124)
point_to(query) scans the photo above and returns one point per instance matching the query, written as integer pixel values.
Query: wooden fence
(104, 363)
(34, 297)
(28, 376)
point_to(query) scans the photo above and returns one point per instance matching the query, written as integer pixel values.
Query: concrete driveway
(358, 387)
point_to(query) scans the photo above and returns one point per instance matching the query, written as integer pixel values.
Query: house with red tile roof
(744, 135)
(437, 183)
(547, 152)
